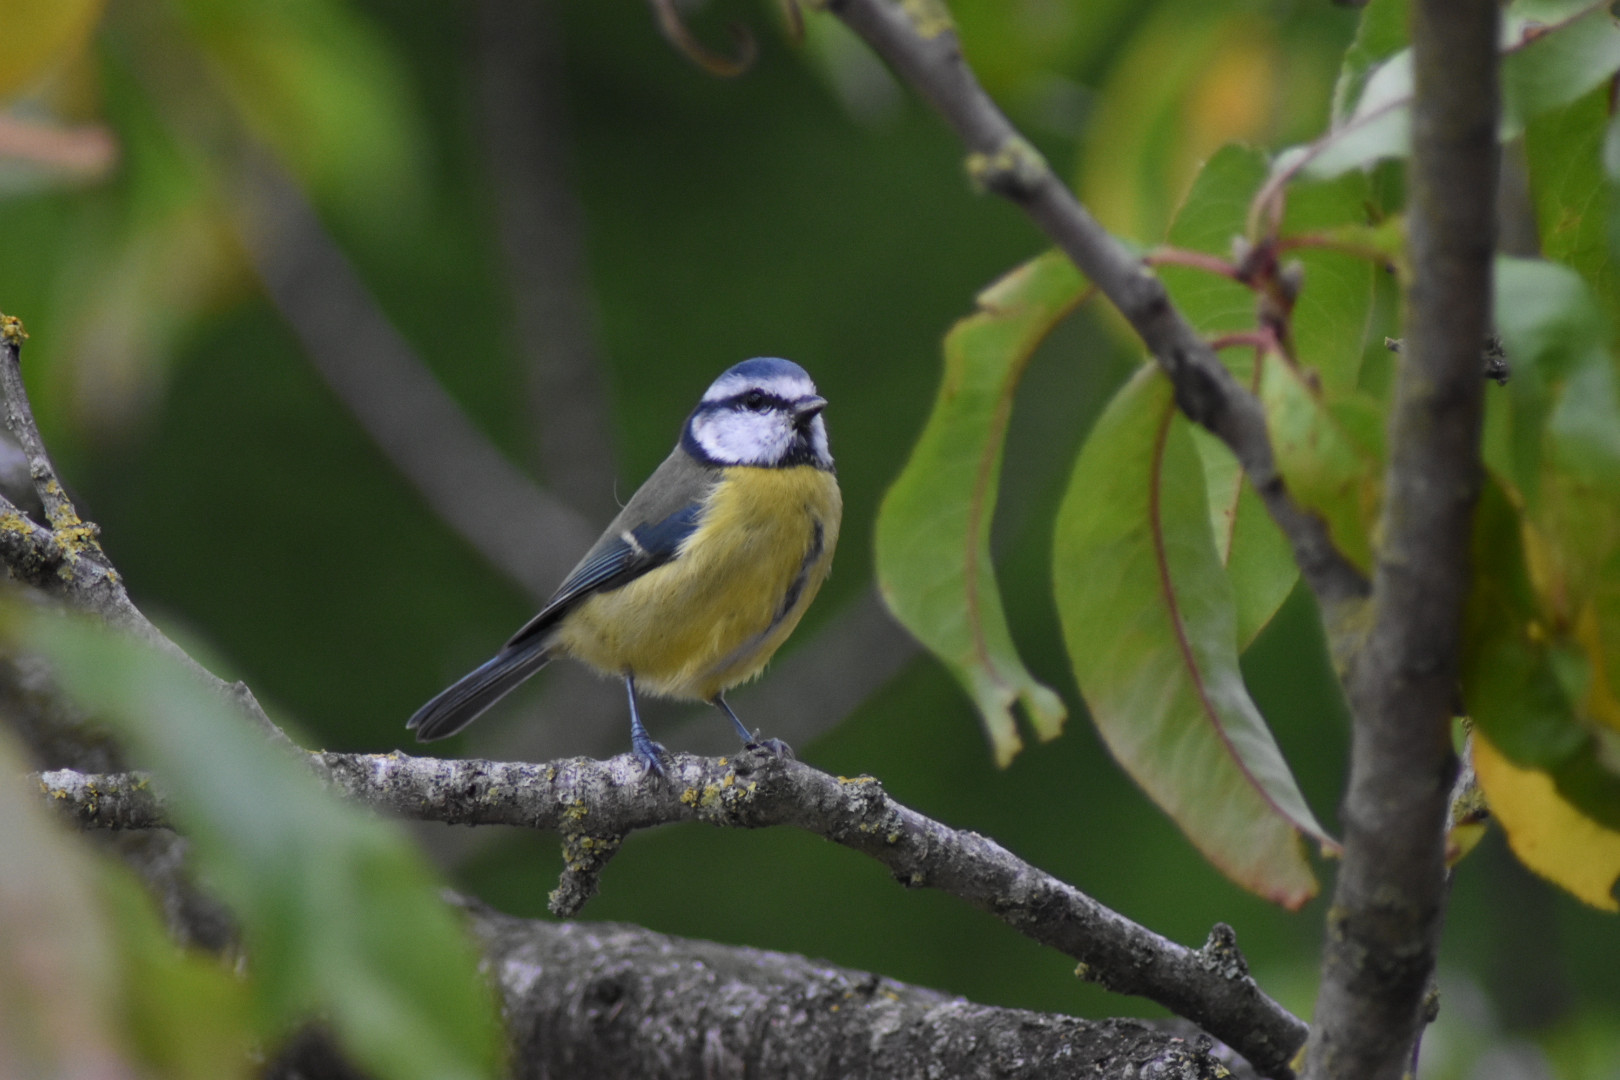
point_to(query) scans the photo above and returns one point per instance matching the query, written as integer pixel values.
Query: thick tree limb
(593, 805)
(1384, 926)
(917, 40)
(606, 1001)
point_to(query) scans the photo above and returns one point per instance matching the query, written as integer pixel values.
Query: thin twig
(594, 805)
(917, 40)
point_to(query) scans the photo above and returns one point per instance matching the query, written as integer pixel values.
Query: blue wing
(613, 563)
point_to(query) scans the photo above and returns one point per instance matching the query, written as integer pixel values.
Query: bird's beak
(807, 409)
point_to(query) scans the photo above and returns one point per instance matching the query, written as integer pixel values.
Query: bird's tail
(465, 700)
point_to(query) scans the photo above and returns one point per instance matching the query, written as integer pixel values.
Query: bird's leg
(649, 753)
(752, 740)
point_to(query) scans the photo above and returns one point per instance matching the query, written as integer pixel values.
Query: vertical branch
(525, 132)
(1384, 926)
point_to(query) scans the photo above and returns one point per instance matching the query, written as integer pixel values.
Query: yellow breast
(712, 617)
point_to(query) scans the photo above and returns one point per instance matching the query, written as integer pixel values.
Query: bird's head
(762, 412)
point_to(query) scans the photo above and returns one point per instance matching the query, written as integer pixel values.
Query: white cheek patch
(786, 385)
(743, 437)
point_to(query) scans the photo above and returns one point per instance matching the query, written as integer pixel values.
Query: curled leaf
(1150, 623)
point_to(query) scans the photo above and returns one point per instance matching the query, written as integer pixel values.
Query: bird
(704, 573)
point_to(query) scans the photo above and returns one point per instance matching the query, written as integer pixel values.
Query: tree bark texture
(600, 1001)
(1389, 898)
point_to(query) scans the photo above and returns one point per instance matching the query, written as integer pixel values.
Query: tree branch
(593, 805)
(541, 231)
(65, 561)
(607, 1001)
(1384, 926)
(917, 40)
(529, 534)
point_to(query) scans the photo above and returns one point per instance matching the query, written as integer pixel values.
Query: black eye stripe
(757, 400)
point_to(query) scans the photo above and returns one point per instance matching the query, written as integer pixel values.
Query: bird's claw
(652, 755)
(775, 747)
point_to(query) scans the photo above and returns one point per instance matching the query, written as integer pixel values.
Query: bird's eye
(754, 399)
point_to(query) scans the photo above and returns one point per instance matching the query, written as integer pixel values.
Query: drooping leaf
(1148, 617)
(339, 913)
(1549, 835)
(1330, 452)
(933, 533)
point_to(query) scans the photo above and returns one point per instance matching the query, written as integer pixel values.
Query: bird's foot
(652, 755)
(775, 747)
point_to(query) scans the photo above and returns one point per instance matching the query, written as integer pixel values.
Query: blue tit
(703, 574)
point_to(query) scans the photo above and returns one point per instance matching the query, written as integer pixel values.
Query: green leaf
(1331, 318)
(1611, 172)
(321, 85)
(91, 984)
(1554, 443)
(1258, 560)
(933, 532)
(188, 1015)
(1563, 153)
(1213, 215)
(1154, 124)
(1251, 547)
(1381, 34)
(1148, 618)
(1545, 64)
(1557, 62)
(1523, 683)
(339, 913)
(1553, 331)
(1330, 452)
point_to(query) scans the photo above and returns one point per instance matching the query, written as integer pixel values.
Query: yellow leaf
(1546, 833)
(1602, 702)
(39, 34)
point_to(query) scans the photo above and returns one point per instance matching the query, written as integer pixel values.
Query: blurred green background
(807, 209)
